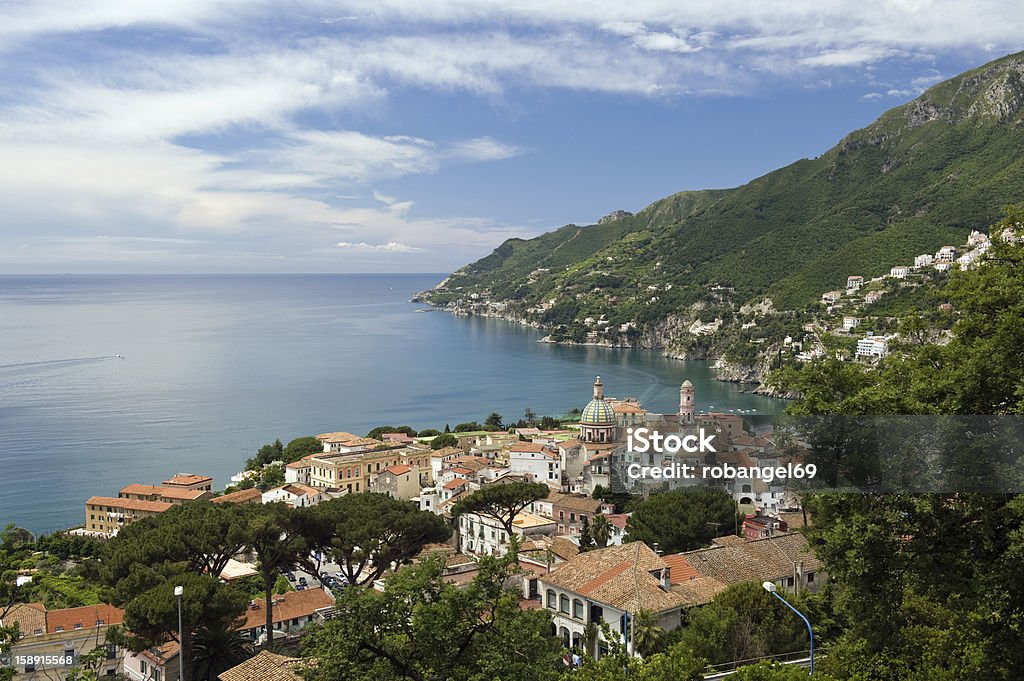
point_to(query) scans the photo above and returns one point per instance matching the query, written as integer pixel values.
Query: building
(946, 254)
(762, 526)
(170, 495)
(872, 347)
(159, 663)
(337, 441)
(924, 260)
(899, 272)
(190, 481)
(353, 470)
(298, 471)
(484, 536)
(293, 611)
(536, 461)
(609, 586)
(570, 511)
(104, 516)
(60, 638)
(399, 482)
(850, 323)
(831, 297)
(294, 495)
(251, 495)
(854, 282)
(786, 560)
(597, 423)
(267, 666)
(873, 296)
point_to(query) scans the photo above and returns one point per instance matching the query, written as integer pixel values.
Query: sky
(416, 135)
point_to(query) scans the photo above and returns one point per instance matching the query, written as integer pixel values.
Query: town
(575, 546)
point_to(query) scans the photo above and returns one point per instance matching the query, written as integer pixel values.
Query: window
(572, 517)
(563, 604)
(552, 603)
(59, 628)
(577, 608)
(142, 667)
(810, 577)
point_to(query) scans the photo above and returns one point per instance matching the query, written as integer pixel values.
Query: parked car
(300, 587)
(302, 581)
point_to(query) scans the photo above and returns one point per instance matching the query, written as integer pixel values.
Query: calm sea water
(214, 366)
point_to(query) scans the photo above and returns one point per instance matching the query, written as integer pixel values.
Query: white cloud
(129, 141)
(391, 246)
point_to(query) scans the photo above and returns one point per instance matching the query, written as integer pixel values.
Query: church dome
(598, 413)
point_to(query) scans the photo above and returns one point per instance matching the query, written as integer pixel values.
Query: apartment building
(52, 641)
(105, 516)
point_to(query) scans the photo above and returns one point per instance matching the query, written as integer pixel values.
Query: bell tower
(598, 389)
(686, 403)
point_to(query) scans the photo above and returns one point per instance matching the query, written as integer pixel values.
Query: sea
(107, 380)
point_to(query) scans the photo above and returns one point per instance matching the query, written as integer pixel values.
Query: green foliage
(444, 440)
(429, 432)
(682, 519)
(267, 454)
(601, 530)
(300, 448)
(368, 533)
(744, 622)
(67, 546)
(897, 188)
(586, 539)
(380, 430)
(468, 427)
(771, 671)
(493, 422)
(218, 649)
(423, 628)
(977, 372)
(503, 502)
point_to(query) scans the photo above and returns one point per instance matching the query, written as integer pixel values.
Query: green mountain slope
(922, 175)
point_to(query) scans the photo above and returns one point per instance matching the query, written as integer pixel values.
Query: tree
(367, 534)
(186, 545)
(468, 427)
(743, 622)
(502, 502)
(601, 530)
(647, 635)
(423, 628)
(429, 432)
(444, 440)
(151, 615)
(494, 422)
(529, 416)
(586, 540)
(300, 448)
(275, 540)
(266, 454)
(681, 519)
(218, 649)
(380, 430)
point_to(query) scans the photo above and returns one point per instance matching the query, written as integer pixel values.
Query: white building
(297, 472)
(946, 254)
(483, 536)
(850, 323)
(899, 272)
(293, 494)
(943, 266)
(536, 461)
(873, 347)
(854, 282)
(831, 297)
(924, 260)
(608, 586)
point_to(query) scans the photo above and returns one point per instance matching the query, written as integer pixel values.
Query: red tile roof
(86, 617)
(288, 606)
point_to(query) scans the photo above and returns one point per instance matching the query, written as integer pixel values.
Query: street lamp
(179, 591)
(770, 588)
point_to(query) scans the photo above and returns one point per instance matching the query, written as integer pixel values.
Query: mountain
(922, 175)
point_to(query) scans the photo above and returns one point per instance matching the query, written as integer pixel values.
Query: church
(605, 420)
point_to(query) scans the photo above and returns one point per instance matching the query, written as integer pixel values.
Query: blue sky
(410, 135)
